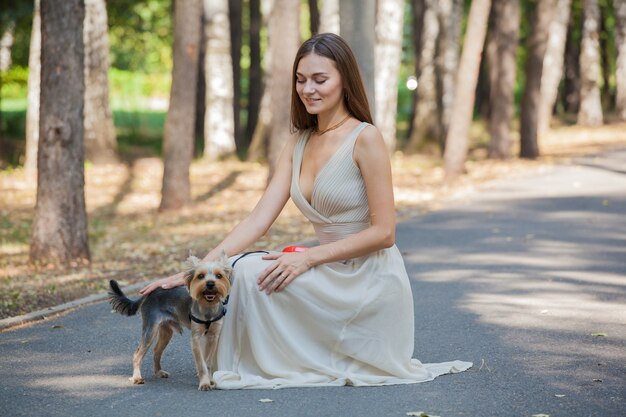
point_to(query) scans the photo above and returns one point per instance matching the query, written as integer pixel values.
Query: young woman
(340, 313)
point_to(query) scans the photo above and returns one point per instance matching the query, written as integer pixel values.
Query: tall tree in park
(314, 17)
(590, 111)
(179, 124)
(553, 63)
(329, 17)
(537, 43)
(619, 7)
(501, 56)
(100, 142)
(284, 40)
(34, 79)
(255, 73)
(235, 16)
(259, 141)
(219, 133)
(450, 16)
(357, 22)
(457, 137)
(570, 94)
(389, 24)
(424, 120)
(59, 233)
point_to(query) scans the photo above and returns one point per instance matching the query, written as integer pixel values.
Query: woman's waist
(331, 232)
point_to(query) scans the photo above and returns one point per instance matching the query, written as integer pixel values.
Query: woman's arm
(254, 226)
(370, 154)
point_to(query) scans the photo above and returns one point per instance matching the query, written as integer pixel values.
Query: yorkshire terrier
(199, 307)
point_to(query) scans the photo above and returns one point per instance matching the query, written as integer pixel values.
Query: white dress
(340, 323)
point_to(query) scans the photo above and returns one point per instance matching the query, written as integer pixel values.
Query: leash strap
(243, 255)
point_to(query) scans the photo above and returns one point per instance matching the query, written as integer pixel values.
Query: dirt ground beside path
(132, 242)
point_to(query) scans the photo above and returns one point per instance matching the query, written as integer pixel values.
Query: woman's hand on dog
(282, 272)
(169, 282)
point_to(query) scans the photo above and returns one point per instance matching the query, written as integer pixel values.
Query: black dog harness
(207, 323)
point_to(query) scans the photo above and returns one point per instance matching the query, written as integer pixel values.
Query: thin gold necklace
(333, 127)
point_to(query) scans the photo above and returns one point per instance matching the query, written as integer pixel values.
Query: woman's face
(319, 84)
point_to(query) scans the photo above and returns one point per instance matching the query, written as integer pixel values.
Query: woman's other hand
(281, 273)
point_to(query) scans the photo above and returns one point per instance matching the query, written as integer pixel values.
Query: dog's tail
(120, 302)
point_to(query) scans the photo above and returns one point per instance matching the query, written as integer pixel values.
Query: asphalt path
(525, 277)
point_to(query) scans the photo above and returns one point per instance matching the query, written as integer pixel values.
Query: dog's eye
(200, 276)
(218, 276)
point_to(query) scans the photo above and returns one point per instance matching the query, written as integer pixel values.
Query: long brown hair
(336, 49)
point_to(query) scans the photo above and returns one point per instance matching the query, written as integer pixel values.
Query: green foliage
(14, 83)
(140, 35)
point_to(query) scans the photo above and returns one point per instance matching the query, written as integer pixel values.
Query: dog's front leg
(197, 346)
(210, 351)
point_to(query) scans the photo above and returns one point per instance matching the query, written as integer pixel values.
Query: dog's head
(209, 282)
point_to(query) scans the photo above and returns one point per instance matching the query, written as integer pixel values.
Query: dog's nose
(210, 284)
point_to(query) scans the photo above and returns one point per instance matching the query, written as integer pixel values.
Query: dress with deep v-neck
(339, 323)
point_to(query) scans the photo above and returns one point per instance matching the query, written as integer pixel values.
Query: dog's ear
(193, 261)
(189, 276)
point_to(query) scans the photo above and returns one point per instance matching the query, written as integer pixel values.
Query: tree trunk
(100, 142)
(450, 16)
(235, 16)
(6, 44)
(255, 74)
(388, 49)
(553, 64)
(284, 38)
(619, 6)
(501, 55)
(329, 18)
(314, 14)
(417, 22)
(590, 112)
(34, 84)
(358, 20)
(179, 125)
(59, 233)
(571, 72)
(201, 88)
(457, 137)
(537, 44)
(259, 142)
(219, 134)
(424, 123)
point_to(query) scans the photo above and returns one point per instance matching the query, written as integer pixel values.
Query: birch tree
(357, 23)
(34, 82)
(388, 49)
(553, 63)
(457, 138)
(501, 56)
(590, 112)
(329, 16)
(219, 133)
(620, 77)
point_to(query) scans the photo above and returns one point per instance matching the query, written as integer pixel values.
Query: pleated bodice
(338, 206)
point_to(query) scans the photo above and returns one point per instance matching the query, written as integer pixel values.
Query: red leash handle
(295, 249)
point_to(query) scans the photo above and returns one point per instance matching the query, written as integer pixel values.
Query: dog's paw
(137, 380)
(162, 374)
(207, 386)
